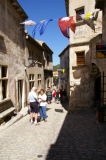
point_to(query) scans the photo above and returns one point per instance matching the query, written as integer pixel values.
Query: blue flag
(44, 25)
(37, 26)
(41, 26)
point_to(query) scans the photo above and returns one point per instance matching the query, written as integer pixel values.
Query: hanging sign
(101, 50)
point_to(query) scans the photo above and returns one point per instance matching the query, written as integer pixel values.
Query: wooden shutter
(80, 58)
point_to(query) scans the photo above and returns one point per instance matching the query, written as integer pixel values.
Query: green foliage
(56, 67)
(55, 79)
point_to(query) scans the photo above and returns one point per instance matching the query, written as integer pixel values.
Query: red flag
(65, 23)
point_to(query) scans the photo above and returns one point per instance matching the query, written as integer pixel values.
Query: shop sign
(101, 50)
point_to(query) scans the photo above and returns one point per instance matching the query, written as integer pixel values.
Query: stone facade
(35, 74)
(104, 24)
(101, 4)
(47, 65)
(16, 78)
(64, 64)
(101, 63)
(12, 47)
(81, 80)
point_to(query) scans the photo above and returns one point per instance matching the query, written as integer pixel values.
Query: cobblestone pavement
(65, 136)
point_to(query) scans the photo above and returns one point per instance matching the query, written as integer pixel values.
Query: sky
(38, 10)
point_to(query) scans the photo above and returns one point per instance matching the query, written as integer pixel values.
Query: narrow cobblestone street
(65, 136)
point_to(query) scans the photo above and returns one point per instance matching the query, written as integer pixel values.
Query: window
(79, 12)
(2, 45)
(31, 81)
(47, 60)
(31, 53)
(4, 71)
(80, 58)
(3, 81)
(39, 82)
(39, 58)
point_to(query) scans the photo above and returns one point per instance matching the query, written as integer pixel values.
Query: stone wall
(48, 64)
(80, 77)
(33, 47)
(99, 62)
(80, 80)
(48, 70)
(12, 53)
(104, 24)
(64, 77)
(84, 32)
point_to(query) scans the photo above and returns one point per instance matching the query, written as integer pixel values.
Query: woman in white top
(43, 103)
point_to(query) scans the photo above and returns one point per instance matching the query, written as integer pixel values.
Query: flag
(95, 15)
(41, 26)
(91, 15)
(37, 26)
(89, 19)
(29, 23)
(90, 23)
(65, 23)
(44, 25)
(63, 71)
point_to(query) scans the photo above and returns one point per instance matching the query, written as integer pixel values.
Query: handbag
(29, 110)
(38, 103)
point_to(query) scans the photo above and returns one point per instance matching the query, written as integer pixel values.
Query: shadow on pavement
(48, 109)
(80, 138)
(59, 110)
(65, 104)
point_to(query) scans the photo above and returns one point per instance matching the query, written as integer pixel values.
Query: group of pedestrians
(54, 95)
(39, 102)
(37, 105)
(59, 95)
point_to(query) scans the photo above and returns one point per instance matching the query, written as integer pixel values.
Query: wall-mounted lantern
(32, 62)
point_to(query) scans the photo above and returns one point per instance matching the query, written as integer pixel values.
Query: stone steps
(6, 112)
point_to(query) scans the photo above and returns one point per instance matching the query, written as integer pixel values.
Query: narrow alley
(75, 136)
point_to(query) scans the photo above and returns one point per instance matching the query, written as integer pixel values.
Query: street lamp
(32, 62)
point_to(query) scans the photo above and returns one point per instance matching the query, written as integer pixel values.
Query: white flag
(29, 23)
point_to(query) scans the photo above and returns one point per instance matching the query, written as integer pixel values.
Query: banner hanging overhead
(64, 23)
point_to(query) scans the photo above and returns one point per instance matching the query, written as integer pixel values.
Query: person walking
(61, 95)
(42, 99)
(57, 96)
(34, 109)
(54, 94)
(49, 96)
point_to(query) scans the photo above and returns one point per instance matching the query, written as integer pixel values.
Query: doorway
(98, 88)
(20, 92)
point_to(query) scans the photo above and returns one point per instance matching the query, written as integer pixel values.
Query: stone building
(64, 64)
(101, 61)
(12, 54)
(81, 66)
(16, 75)
(34, 74)
(47, 65)
(101, 4)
